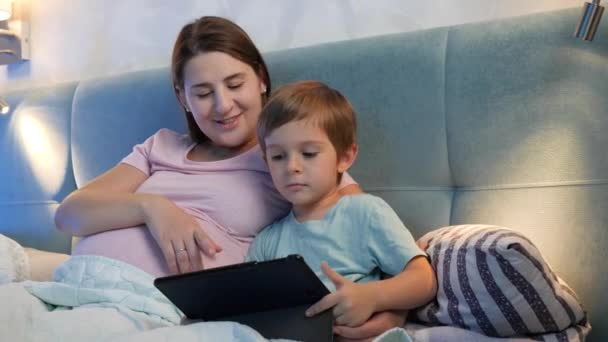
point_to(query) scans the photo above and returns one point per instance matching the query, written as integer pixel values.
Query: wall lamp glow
(590, 19)
(5, 9)
(4, 106)
(14, 31)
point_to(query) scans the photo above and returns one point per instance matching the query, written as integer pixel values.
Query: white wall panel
(73, 40)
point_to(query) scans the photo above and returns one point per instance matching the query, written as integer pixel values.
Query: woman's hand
(178, 235)
(374, 327)
(352, 303)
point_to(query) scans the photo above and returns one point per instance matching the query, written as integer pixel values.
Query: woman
(170, 205)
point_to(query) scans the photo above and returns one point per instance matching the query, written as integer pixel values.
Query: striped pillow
(494, 281)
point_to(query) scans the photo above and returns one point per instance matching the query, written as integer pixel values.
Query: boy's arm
(392, 246)
(353, 303)
(415, 286)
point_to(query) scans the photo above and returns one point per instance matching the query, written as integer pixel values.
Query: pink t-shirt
(232, 199)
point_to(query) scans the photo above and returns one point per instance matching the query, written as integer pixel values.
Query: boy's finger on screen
(325, 303)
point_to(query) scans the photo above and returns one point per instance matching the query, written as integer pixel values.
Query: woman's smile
(229, 123)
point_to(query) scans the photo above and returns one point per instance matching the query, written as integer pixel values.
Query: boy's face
(303, 163)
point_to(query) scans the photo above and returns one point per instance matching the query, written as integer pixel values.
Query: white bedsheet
(14, 265)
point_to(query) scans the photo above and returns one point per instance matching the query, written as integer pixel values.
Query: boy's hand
(352, 303)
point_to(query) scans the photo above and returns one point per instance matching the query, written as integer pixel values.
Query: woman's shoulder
(165, 134)
(165, 138)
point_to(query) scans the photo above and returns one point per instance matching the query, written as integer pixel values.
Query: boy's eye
(276, 157)
(203, 95)
(309, 154)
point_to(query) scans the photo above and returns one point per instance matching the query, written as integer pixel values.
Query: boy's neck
(319, 209)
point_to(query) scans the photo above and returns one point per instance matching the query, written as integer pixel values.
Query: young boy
(307, 134)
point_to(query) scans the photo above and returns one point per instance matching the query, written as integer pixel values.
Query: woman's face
(225, 98)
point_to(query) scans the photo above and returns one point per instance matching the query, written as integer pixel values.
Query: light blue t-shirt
(360, 237)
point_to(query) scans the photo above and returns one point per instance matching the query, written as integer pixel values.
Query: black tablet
(270, 296)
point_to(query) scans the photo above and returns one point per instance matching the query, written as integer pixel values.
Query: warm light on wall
(5, 9)
(41, 145)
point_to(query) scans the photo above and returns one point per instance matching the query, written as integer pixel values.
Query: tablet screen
(243, 288)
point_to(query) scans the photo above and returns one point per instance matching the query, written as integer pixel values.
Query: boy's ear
(346, 160)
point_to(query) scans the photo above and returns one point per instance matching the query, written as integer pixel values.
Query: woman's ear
(261, 78)
(181, 96)
(346, 160)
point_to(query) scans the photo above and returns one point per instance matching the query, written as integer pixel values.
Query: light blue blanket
(94, 298)
(94, 280)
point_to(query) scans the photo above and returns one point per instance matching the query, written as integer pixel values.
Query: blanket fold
(98, 298)
(96, 280)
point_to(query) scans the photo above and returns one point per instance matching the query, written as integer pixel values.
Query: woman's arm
(348, 186)
(108, 202)
(43, 263)
(350, 189)
(375, 326)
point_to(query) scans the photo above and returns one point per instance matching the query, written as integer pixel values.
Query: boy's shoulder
(278, 225)
(365, 203)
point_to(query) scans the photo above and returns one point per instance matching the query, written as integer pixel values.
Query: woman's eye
(310, 154)
(202, 95)
(235, 86)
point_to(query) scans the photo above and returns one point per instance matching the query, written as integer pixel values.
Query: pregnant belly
(137, 247)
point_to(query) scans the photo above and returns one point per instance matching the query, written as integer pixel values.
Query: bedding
(114, 301)
(14, 264)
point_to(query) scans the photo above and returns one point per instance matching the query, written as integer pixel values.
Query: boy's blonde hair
(316, 102)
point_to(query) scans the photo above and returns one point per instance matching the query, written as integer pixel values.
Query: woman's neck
(208, 151)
